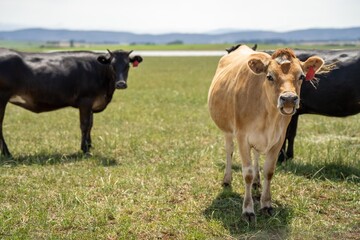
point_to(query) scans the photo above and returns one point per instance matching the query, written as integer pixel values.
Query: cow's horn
(110, 52)
(111, 55)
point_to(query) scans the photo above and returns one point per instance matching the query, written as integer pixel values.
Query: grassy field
(157, 168)
(39, 47)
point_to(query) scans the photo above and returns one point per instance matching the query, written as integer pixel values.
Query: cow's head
(284, 76)
(120, 63)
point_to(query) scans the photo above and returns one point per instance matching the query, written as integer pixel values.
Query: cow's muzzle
(288, 102)
(121, 84)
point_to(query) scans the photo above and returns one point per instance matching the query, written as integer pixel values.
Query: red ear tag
(135, 63)
(310, 74)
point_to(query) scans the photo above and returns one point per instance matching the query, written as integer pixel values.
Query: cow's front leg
(86, 121)
(269, 169)
(248, 176)
(3, 147)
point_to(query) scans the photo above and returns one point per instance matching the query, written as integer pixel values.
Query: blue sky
(189, 16)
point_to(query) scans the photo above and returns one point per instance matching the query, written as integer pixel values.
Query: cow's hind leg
(229, 147)
(3, 147)
(256, 184)
(89, 130)
(86, 121)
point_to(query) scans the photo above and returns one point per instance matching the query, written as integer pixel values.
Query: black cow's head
(120, 62)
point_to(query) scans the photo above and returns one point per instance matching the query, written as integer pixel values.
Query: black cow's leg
(3, 147)
(86, 120)
(291, 134)
(290, 138)
(88, 137)
(282, 155)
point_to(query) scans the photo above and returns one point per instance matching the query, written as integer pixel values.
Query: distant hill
(308, 35)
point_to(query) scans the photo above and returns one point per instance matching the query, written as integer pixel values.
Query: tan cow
(252, 98)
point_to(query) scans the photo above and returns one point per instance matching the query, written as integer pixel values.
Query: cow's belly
(50, 103)
(24, 101)
(221, 111)
(36, 105)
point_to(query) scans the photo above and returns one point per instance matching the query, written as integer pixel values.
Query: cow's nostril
(121, 85)
(294, 98)
(289, 98)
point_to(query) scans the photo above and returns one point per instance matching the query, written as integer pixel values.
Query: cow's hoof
(88, 154)
(249, 217)
(5, 152)
(6, 156)
(267, 211)
(227, 181)
(6, 159)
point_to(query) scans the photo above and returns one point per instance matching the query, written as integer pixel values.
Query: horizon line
(210, 32)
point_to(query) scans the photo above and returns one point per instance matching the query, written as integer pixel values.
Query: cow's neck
(110, 77)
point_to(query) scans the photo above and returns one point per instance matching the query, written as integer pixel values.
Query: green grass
(157, 168)
(39, 47)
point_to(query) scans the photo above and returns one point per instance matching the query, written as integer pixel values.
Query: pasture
(39, 47)
(157, 167)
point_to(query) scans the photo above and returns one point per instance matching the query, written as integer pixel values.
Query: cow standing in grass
(252, 98)
(42, 82)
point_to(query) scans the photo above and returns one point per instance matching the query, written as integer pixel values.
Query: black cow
(42, 82)
(337, 93)
(233, 48)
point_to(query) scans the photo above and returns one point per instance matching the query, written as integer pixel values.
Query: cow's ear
(103, 60)
(258, 63)
(314, 62)
(135, 60)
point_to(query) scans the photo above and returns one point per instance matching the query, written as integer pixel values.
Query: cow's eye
(302, 77)
(270, 78)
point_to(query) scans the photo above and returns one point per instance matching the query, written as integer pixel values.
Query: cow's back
(338, 92)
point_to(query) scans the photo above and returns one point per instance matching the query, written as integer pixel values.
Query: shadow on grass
(227, 209)
(331, 171)
(56, 158)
